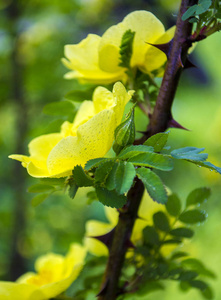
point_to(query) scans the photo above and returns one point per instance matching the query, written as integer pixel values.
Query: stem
(162, 111)
(159, 122)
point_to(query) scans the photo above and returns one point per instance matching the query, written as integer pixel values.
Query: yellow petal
(112, 215)
(147, 29)
(94, 139)
(83, 59)
(154, 58)
(16, 291)
(96, 228)
(75, 256)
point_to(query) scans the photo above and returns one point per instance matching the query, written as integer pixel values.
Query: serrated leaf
(198, 266)
(209, 165)
(190, 12)
(94, 163)
(173, 205)
(187, 275)
(81, 178)
(110, 198)
(38, 199)
(150, 235)
(103, 170)
(190, 153)
(182, 232)
(152, 160)
(193, 216)
(61, 108)
(153, 185)
(124, 177)
(157, 141)
(134, 150)
(126, 48)
(161, 221)
(40, 188)
(72, 190)
(198, 196)
(110, 181)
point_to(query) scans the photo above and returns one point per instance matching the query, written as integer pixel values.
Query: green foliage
(192, 216)
(190, 153)
(125, 133)
(198, 196)
(126, 48)
(110, 198)
(173, 205)
(157, 141)
(153, 185)
(161, 221)
(124, 177)
(131, 151)
(197, 9)
(81, 178)
(38, 199)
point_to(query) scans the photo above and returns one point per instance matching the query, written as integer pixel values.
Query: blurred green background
(32, 38)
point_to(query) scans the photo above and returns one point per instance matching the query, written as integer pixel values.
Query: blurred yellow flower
(96, 228)
(96, 59)
(90, 136)
(55, 273)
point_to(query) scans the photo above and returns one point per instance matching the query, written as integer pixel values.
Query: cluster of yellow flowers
(91, 135)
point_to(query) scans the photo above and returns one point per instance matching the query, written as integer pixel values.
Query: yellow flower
(90, 136)
(96, 228)
(96, 59)
(55, 273)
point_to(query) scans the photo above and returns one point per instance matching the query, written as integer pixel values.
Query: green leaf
(153, 185)
(40, 188)
(81, 178)
(188, 275)
(103, 170)
(157, 141)
(198, 196)
(209, 165)
(173, 205)
(150, 235)
(161, 221)
(61, 108)
(199, 284)
(152, 160)
(182, 232)
(39, 199)
(125, 133)
(203, 6)
(149, 287)
(110, 181)
(53, 181)
(193, 216)
(134, 150)
(124, 177)
(126, 48)
(190, 12)
(198, 266)
(178, 255)
(110, 198)
(190, 153)
(94, 163)
(72, 190)
(208, 293)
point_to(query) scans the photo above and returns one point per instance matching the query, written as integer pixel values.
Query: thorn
(174, 124)
(103, 288)
(189, 64)
(106, 239)
(165, 48)
(180, 63)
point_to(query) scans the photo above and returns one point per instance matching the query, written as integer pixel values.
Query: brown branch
(159, 122)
